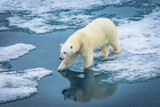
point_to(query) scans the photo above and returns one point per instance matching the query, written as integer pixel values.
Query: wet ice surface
(41, 16)
(3, 28)
(14, 51)
(17, 85)
(139, 59)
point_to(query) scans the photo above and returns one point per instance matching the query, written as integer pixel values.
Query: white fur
(101, 33)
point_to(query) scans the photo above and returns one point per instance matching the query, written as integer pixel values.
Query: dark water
(130, 79)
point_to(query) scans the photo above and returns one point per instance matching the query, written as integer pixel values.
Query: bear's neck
(75, 41)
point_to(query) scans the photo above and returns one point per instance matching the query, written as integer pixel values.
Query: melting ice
(41, 16)
(14, 51)
(140, 56)
(15, 85)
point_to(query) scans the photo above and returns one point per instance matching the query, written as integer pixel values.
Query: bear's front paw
(61, 67)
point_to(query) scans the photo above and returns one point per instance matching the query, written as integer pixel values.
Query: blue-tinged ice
(17, 85)
(42, 16)
(140, 56)
(14, 51)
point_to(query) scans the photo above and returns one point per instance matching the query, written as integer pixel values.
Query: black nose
(60, 58)
(65, 90)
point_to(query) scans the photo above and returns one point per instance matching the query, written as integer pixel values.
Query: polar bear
(87, 88)
(100, 33)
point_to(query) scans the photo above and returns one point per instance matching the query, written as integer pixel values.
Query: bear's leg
(68, 61)
(87, 59)
(116, 46)
(104, 51)
(71, 59)
(62, 65)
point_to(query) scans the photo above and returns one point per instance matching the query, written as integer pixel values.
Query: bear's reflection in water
(87, 88)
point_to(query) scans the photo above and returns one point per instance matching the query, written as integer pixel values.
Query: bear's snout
(64, 91)
(60, 58)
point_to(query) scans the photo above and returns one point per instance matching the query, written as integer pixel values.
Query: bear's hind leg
(104, 51)
(116, 47)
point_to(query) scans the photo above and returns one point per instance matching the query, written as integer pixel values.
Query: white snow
(140, 56)
(41, 16)
(17, 85)
(14, 51)
(3, 28)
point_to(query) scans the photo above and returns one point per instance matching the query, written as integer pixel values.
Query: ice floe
(42, 16)
(15, 85)
(14, 51)
(140, 56)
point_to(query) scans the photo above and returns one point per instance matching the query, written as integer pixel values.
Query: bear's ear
(61, 44)
(71, 46)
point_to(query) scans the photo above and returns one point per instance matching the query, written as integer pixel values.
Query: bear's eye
(64, 52)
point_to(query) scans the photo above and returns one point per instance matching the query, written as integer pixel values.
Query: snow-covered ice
(140, 56)
(14, 51)
(15, 85)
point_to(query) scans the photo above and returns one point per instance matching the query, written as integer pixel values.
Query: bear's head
(66, 50)
(76, 94)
